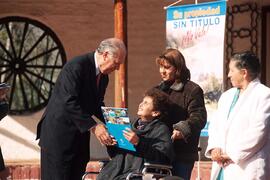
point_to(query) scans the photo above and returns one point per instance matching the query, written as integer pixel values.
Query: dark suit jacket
(3, 113)
(63, 129)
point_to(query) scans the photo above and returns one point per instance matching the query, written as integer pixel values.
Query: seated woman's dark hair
(161, 102)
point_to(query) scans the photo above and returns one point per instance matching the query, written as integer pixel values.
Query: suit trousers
(183, 169)
(53, 168)
(2, 164)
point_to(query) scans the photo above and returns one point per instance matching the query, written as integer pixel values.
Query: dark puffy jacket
(188, 115)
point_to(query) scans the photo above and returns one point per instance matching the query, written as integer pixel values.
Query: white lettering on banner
(179, 24)
(202, 12)
(201, 22)
(205, 22)
(196, 13)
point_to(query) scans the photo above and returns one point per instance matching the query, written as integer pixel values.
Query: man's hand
(176, 135)
(102, 135)
(131, 136)
(3, 93)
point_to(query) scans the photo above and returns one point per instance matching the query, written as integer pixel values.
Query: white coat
(245, 135)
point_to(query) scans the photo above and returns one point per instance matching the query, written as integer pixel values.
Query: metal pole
(120, 31)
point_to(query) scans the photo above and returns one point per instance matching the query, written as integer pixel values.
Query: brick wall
(81, 24)
(22, 172)
(32, 171)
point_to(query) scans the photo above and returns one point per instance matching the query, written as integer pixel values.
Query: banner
(198, 32)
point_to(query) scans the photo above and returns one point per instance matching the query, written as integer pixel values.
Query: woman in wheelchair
(150, 136)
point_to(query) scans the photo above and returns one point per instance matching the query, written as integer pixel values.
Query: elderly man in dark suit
(77, 97)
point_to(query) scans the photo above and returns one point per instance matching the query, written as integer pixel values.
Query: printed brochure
(117, 120)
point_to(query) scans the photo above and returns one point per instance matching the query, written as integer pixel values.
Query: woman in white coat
(239, 138)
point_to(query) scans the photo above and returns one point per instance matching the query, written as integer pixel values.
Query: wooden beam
(120, 31)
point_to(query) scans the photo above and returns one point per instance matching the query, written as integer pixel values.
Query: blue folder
(117, 120)
(116, 130)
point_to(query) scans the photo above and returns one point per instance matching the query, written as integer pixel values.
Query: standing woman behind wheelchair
(188, 114)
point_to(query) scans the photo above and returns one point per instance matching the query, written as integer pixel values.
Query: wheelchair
(149, 172)
(97, 153)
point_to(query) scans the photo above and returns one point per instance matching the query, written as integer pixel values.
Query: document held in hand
(117, 120)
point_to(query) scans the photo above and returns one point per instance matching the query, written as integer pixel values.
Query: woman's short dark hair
(161, 101)
(249, 61)
(177, 60)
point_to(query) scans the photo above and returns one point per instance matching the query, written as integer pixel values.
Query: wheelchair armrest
(157, 165)
(87, 173)
(134, 174)
(154, 170)
(157, 169)
(101, 163)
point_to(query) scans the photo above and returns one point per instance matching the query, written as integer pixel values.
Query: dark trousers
(2, 164)
(71, 168)
(183, 170)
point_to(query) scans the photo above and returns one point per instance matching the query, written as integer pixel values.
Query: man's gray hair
(113, 45)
